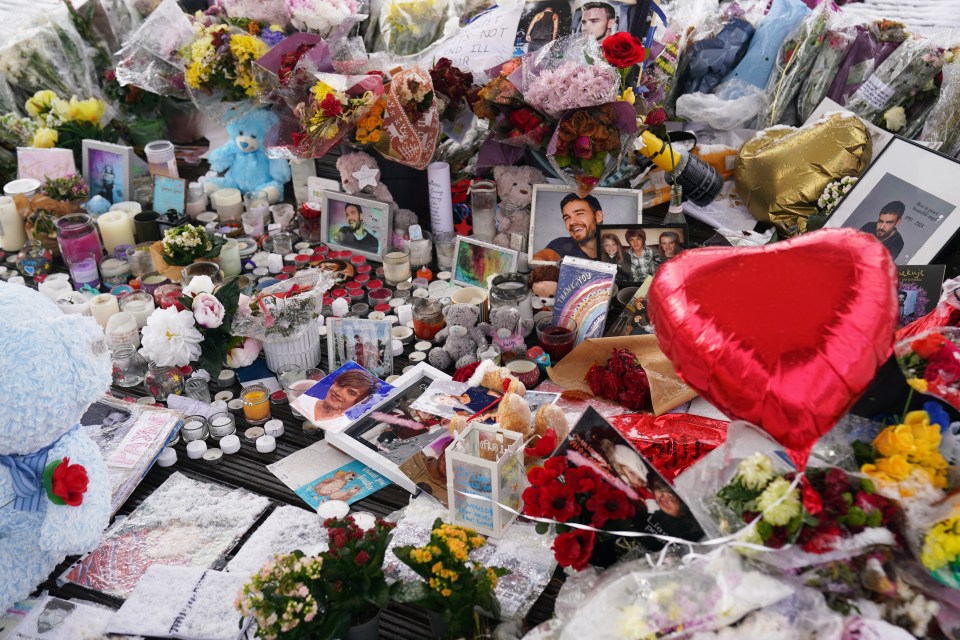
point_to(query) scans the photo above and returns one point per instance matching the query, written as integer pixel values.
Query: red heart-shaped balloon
(785, 336)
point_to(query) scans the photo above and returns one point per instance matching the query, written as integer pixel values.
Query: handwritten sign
(482, 44)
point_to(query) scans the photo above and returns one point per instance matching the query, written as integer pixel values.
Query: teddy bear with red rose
(54, 486)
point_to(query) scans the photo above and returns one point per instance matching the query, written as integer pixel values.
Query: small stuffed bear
(461, 338)
(54, 486)
(543, 285)
(498, 379)
(507, 329)
(360, 174)
(515, 190)
(244, 158)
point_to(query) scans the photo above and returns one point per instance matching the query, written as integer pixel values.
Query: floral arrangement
(575, 494)
(221, 59)
(52, 121)
(588, 143)
(454, 584)
(621, 379)
(572, 85)
(415, 96)
(322, 16)
(64, 189)
(834, 193)
(499, 91)
(326, 115)
(409, 26)
(141, 109)
(453, 84)
(188, 243)
(355, 588)
(288, 63)
(931, 363)
(285, 597)
(833, 505)
(370, 126)
(941, 551)
(283, 309)
(905, 458)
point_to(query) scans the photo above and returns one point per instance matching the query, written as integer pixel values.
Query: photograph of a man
(598, 19)
(353, 235)
(885, 228)
(580, 217)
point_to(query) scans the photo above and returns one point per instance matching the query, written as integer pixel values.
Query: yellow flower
(41, 102)
(90, 110)
(446, 593)
(628, 96)
(895, 440)
(436, 568)
(776, 512)
(927, 437)
(871, 470)
(919, 384)
(320, 91)
(246, 48)
(45, 138)
(492, 576)
(476, 542)
(896, 467)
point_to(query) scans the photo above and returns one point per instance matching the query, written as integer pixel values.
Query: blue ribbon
(27, 474)
(652, 30)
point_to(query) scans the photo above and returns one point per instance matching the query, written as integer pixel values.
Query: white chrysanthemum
(775, 511)
(755, 472)
(170, 338)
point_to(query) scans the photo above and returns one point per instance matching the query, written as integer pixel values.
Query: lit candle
(230, 258)
(103, 307)
(256, 404)
(115, 271)
(140, 305)
(12, 235)
(115, 229)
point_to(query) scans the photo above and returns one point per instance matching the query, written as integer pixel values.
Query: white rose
(207, 310)
(199, 284)
(896, 119)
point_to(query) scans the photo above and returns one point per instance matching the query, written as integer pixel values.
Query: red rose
(929, 345)
(524, 120)
(558, 501)
(573, 549)
(946, 372)
(362, 558)
(603, 383)
(330, 106)
(67, 482)
(821, 539)
(609, 504)
(655, 117)
(623, 50)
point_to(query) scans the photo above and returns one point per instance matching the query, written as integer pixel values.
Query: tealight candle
(221, 425)
(396, 347)
(230, 444)
(256, 403)
(266, 444)
(273, 428)
(167, 457)
(196, 449)
(102, 307)
(364, 520)
(333, 509)
(340, 307)
(213, 456)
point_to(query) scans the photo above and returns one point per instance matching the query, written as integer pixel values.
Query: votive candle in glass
(77, 235)
(114, 271)
(421, 251)
(229, 204)
(140, 305)
(83, 270)
(427, 318)
(140, 259)
(256, 403)
(396, 265)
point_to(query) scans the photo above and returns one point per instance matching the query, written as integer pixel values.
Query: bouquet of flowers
(219, 61)
(454, 585)
(324, 17)
(940, 553)
(833, 194)
(286, 597)
(904, 459)
(453, 84)
(836, 42)
(621, 380)
(284, 309)
(411, 119)
(872, 44)
(577, 494)
(409, 26)
(197, 329)
(333, 107)
(70, 187)
(188, 243)
(943, 122)
(931, 363)
(572, 84)
(513, 122)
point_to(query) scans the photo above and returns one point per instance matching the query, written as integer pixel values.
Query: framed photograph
(366, 342)
(106, 169)
(357, 224)
(399, 442)
(564, 224)
(475, 261)
(638, 250)
(907, 200)
(341, 397)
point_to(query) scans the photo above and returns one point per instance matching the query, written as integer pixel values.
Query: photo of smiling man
(341, 397)
(564, 223)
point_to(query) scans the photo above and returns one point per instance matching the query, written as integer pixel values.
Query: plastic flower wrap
(836, 42)
(931, 363)
(219, 63)
(794, 62)
(285, 308)
(873, 43)
(331, 109)
(150, 58)
(270, 12)
(943, 122)
(940, 550)
(409, 26)
(324, 17)
(411, 119)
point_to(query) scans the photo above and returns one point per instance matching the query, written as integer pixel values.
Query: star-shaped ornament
(366, 177)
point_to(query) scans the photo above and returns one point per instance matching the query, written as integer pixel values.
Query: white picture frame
(97, 158)
(467, 254)
(376, 219)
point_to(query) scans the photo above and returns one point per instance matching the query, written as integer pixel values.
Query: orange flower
(929, 345)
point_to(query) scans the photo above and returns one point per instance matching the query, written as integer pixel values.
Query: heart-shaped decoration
(786, 336)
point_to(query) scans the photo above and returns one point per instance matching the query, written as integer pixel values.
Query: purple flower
(271, 37)
(582, 148)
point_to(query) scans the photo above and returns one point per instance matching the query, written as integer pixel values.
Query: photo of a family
(639, 250)
(366, 342)
(341, 397)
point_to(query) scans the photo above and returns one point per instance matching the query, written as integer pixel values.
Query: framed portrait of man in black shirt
(360, 225)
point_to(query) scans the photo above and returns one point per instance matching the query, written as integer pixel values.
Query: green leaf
(542, 528)
(864, 453)
(765, 529)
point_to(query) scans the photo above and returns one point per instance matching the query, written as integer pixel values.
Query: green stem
(906, 407)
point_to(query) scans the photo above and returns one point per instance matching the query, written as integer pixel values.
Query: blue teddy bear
(244, 158)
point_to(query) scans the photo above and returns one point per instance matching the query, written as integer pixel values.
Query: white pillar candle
(11, 226)
(405, 313)
(230, 258)
(129, 209)
(103, 307)
(115, 230)
(74, 303)
(140, 307)
(229, 204)
(55, 286)
(122, 329)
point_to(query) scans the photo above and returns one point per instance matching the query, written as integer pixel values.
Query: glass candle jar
(222, 424)
(168, 295)
(483, 208)
(209, 269)
(513, 290)
(34, 260)
(83, 270)
(198, 389)
(129, 367)
(427, 318)
(162, 382)
(139, 259)
(421, 251)
(77, 236)
(282, 214)
(396, 265)
(309, 222)
(194, 428)
(114, 271)
(256, 403)
(152, 281)
(282, 242)
(257, 202)
(140, 305)
(252, 222)
(229, 204)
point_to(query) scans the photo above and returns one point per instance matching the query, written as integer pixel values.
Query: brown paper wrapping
(667, 390)
(32, 209)
(172, 271)
(782, 172)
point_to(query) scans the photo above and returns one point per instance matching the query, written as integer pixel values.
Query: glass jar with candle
(396, 266)
(83, 270)
(151, 281)
(114, 271)
(513, 290)
(483, 208)
(139, 259)
(229, 258)
(282, 214)
(77, 235)
(281, 243)
(421, 251)
(129, 367)
(222, 425)
(168, 295)
(12, 233)
(253, 224)
(162, 382)
(161, 159)
(427, 318)
(34, 260)
(309, 222)
(198, 389)
(256, 403)
(140, 305)
(258, 202)
(229, 204)
(209, 269)
(194, 428)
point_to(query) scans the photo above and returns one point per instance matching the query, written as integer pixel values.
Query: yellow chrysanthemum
(446, 593)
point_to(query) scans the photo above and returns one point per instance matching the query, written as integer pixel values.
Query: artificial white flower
(755, 472)
(245, 354)
(775, 511)
(896, 118)
(199, 284)
(170, 338)
(207, 310)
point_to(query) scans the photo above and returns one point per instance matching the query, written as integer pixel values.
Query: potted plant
(182, 246)
(286, 597)
(456, 589)
(355, 588)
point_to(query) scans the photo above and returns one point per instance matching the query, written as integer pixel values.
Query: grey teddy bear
(461, 338)
(507, 330)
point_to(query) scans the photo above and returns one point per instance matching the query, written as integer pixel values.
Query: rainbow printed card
(583, 293)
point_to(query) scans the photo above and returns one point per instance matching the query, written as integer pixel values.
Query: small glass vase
(161, 382)
(129, 367)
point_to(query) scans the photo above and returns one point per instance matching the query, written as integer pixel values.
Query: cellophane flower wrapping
(900, 80)
(836, 42)
(269, 12)
(930, 362)
(326, 18)
(408, 27)
(49, 55)
(409, 133)
(794, 62)
(873, 43)
(283, 309)
(943, 122)
(150, 58)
